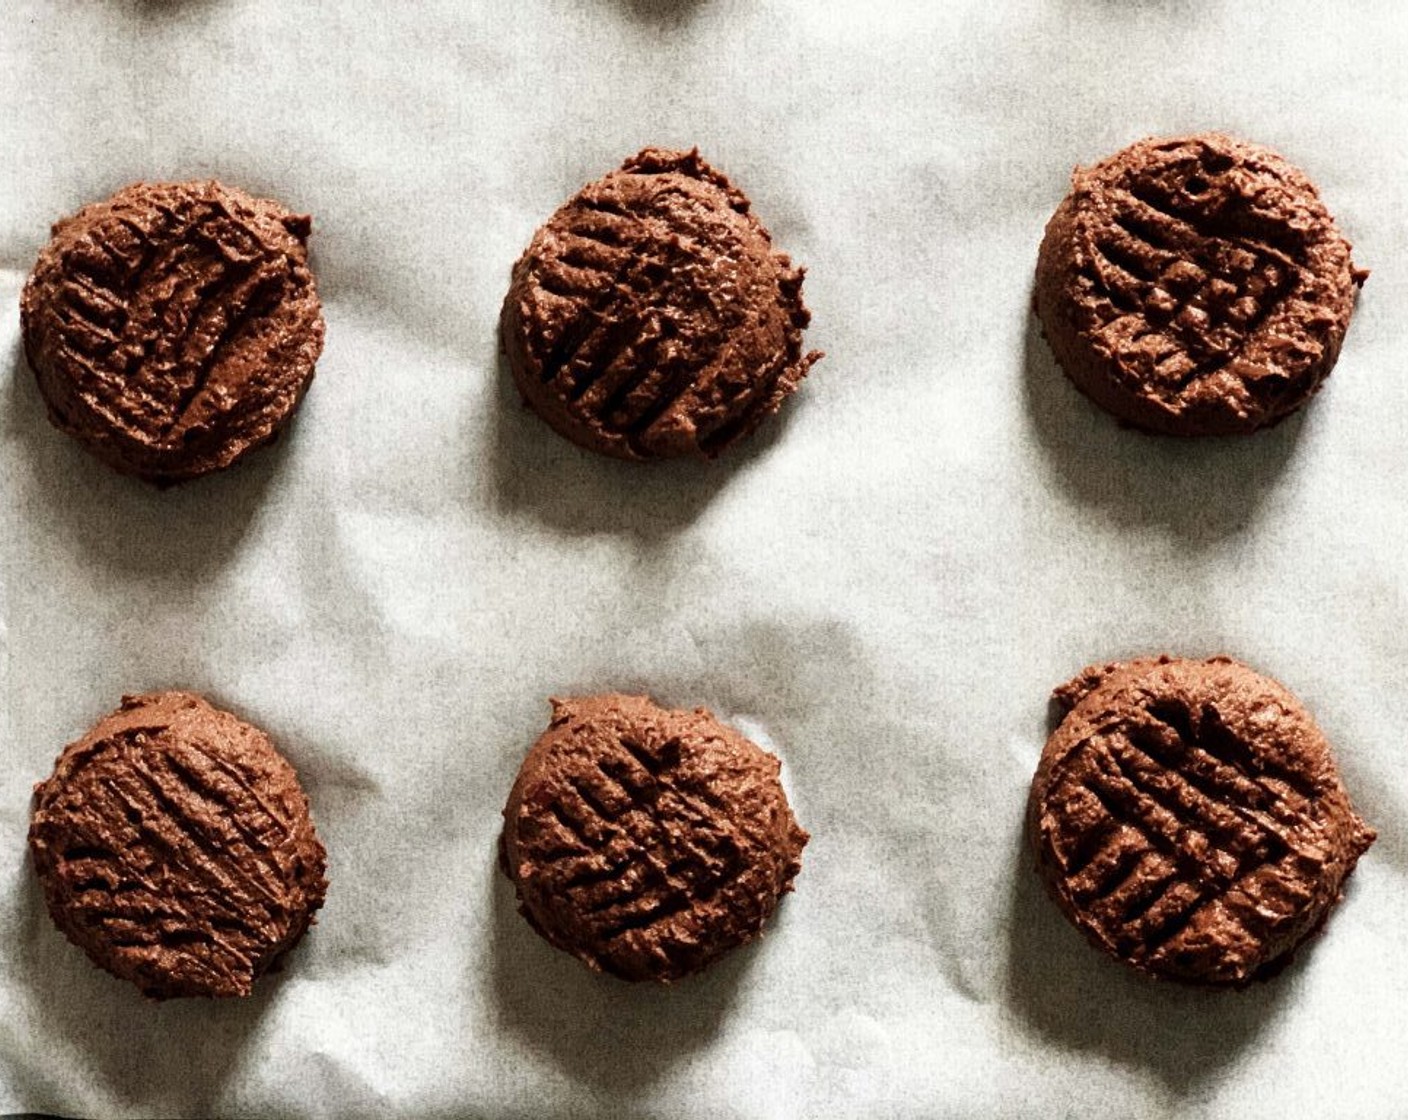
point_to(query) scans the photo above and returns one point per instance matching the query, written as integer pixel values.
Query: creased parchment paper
(882, 587)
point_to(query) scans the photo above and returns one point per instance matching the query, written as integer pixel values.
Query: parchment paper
(882, 587)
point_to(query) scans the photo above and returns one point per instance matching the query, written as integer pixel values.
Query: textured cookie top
(173, 327)
(1195, 285)
(1189, 818)
(174, 846)
(651, 318)
(647, 842)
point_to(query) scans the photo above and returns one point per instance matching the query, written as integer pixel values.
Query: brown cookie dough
(1189, 818)
(174, 847)
(651, 318)
(647, 842)
(174, 327)
(1195, 286)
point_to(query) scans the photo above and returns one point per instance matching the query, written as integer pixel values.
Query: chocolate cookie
(647, 842)
(1195, 286)
(174, 847)
(651, 318)
(1189, 818)
(174, 327)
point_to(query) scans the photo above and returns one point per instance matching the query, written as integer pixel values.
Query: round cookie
(1195, 286)
(174, 847)
(647, 842)
(1189, 819)
(174, 327)
(650, 318)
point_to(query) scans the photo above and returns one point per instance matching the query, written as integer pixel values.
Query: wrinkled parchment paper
(882, 587)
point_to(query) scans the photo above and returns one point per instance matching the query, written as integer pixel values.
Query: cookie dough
(651, 317)
(647, 842)
(174, 847)
(174, 327)
(1195, 286)
(1189, 819)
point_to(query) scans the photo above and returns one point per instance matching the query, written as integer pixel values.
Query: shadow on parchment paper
(538, 473)
(177, 1054)
(1067, 993)
(157, 9)
(1202, 490)
(617, 1037)
(661, 12)
(175, 535)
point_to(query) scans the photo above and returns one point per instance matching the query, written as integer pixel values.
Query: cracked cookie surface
(174, 846)
(1188, 817)
(1195, 286)
(174, 327)
(645, 841)
(651, 318)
